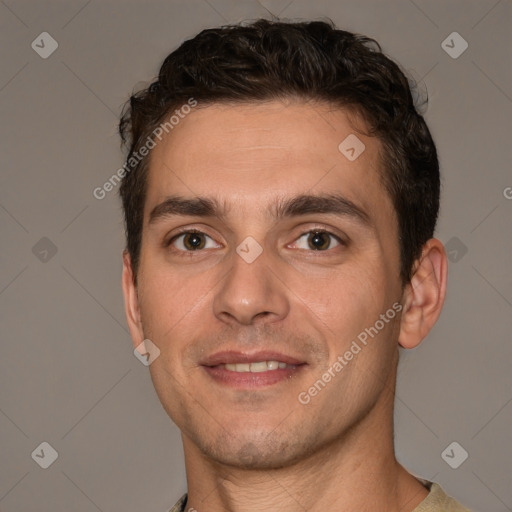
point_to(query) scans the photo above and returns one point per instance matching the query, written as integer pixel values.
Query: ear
(131, 302)
(424, 295)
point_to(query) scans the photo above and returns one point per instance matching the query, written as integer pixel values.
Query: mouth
(249, 371)
(257, 367)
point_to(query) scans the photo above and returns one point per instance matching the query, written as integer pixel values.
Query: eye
(192, 241)
(318, 240)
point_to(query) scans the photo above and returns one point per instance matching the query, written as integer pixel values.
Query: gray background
(68, 375)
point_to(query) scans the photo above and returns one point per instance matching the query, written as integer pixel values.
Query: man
(280, 196)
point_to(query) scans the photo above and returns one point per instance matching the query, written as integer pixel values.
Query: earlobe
(424, 295)
(131, 301)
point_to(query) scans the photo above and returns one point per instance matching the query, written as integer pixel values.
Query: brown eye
(190, 241)
(193, 241)
(317, 241)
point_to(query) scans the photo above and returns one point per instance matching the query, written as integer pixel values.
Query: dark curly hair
(267, 60)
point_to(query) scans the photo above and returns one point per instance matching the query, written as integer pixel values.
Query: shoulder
(180, 505)
(438, 501)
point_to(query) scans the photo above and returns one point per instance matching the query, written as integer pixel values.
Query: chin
(263, 451)
(253, 457)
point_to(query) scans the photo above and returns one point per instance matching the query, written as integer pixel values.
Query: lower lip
(249, 380)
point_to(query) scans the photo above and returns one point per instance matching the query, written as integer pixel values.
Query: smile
(256, 367)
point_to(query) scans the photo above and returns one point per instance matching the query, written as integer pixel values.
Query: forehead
(246, 154)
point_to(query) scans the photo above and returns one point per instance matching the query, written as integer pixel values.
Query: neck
(357, 472)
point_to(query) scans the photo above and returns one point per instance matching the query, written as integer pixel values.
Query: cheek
(349, 298)
(168, 297)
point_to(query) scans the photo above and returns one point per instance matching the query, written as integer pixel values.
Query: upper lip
(234, 357)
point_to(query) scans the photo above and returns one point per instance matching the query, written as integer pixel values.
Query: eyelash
(310, 231)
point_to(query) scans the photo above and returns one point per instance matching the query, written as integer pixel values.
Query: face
(266, 254)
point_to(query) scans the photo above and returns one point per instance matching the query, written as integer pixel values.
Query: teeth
(260, 366)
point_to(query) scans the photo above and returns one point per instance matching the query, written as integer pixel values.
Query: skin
(261, 449)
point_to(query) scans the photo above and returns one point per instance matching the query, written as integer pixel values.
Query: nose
(251, 293)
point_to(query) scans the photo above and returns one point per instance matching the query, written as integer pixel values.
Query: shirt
(436, 501)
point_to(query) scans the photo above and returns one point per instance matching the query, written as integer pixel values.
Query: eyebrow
(283, 208)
